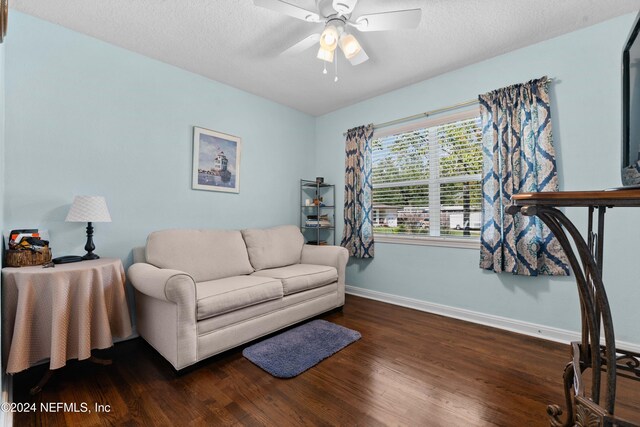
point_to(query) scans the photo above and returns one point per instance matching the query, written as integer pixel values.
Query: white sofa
(201, 292)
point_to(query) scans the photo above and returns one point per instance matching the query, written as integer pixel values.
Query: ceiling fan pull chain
(335, 79)
(325, 67)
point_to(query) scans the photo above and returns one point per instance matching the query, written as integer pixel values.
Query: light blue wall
(86, 117)
(586, 115)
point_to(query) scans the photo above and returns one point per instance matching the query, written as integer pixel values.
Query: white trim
(395, 184)
(434, 187)
(450, 242)
(433, 236)
(518, 326)
(458, 178)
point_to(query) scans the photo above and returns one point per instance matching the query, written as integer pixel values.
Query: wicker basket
(24, 258)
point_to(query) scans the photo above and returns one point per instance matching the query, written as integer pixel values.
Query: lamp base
(89, 247)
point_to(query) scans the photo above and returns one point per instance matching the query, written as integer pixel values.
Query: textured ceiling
(237, 43)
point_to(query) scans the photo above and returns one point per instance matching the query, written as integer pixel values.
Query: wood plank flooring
(409, 368)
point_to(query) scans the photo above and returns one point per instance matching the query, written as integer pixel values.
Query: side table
(587, 408)
(62, 313)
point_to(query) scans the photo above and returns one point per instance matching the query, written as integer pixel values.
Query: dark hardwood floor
(409, 368)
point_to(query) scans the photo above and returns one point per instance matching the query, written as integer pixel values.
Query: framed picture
(216, 161)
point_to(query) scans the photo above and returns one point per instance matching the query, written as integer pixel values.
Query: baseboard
(526, 328)
(6, 417)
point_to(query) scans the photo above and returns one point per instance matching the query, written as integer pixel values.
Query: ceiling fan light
(349, 45)
(359, 58)
(325, 54)
(329, 38)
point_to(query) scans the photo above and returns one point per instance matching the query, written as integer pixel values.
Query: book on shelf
(323, 216)
(318, 221)
(315, 242)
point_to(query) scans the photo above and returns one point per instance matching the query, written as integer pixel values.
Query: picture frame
(216, 161)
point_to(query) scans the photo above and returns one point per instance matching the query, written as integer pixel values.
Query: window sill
(449, 242)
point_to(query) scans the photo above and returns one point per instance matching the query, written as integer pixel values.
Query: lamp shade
(88, 209)
(325, 55)
(359, 58)
(329, 38)
(349, 45)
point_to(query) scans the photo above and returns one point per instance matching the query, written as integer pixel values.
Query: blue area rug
(298, 349)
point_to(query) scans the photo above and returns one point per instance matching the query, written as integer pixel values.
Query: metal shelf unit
(317, 200)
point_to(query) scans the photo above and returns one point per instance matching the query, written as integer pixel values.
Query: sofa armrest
(325, 255)
(164, 284)
(335, 256)
(166, 311)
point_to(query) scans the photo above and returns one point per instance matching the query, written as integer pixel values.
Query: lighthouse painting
(216, 161)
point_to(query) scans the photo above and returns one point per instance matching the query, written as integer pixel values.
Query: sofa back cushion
(204, 254)
(273, 247)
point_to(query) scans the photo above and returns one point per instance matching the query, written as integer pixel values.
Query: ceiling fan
(338, 21)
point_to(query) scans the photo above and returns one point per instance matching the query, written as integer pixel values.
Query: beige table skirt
(62, 313)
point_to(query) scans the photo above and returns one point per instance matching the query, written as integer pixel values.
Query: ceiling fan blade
(359, 58)
(395, 20)
(344, 7)
(288, 9)
(302, 45)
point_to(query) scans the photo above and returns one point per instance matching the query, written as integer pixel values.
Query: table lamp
(89, 209)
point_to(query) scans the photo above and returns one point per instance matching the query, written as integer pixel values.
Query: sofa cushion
(224, 295)
(288, 302)
(204, 254)
(273, 247)
(300, 277)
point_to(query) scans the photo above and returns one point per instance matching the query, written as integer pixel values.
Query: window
(427, 181)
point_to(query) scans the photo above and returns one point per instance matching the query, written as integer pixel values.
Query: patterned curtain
(518, 158)
(357, 235)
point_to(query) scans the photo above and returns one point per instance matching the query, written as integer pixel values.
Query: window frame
(434, 184)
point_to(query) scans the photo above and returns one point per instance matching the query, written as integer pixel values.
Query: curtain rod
(427, 113)
(422, 115)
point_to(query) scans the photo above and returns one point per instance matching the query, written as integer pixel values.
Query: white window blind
(427, 179)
